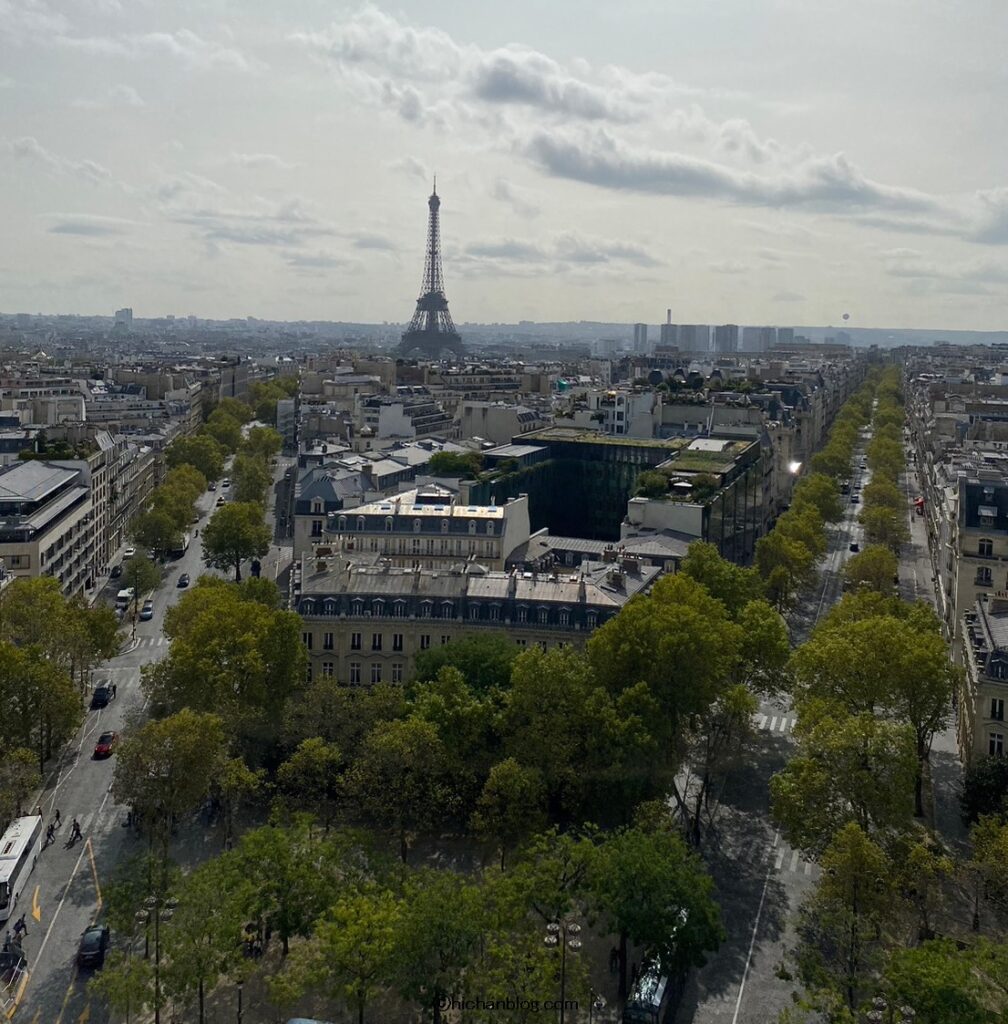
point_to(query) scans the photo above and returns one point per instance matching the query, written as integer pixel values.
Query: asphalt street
(761, 881)
(64, 893)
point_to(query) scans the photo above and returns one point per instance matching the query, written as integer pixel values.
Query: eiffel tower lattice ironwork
(431, 332)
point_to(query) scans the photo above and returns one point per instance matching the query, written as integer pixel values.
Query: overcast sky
(748, 161)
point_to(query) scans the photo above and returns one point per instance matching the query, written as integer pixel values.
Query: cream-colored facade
(981, 727)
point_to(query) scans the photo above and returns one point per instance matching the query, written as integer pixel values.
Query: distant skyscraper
(640, 338)
(431, 331)
(758, 339)
(124, 316)
(726, 338)
(694, 337)
(785, 335)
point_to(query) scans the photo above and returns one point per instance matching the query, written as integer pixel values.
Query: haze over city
(778, 163)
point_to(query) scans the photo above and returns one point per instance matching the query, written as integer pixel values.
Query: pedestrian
(7, 940)
(75, 832)
(114, 691)
(38, 810)
(50, 833)
(57, 818)
(20, 928)
(613, 960)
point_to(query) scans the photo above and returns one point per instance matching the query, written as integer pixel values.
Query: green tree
(820, 490)
(351, 953)
(764, 656)
(141, 576)
(125, 984)
(19, 775)
(252, 478)
(224, 429)
(849, 768)
(844, 926)
(155, 530)
(263, 442)
(399, 779)
(883, 493)
(548, 877)
(234, 408)
(234, 784)
(885, 458)
(35, 612)
(511, 806)
(655, 893)
(340, 715)
(236, 531)
(883, 526)
(730, 584)
(651, 484)
(874, 568)
(984, 788)
(786, 566)
(200, 451)
(204, 939)
(428, 963)
(154, 772)
(311, 779)
(462, 464)
(484, 661)
(834, 460)
(803, 523)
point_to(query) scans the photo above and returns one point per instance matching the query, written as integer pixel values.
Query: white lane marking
(808, 867)
(752, 941)
(781, 853)
(785, 724)
(794, 861)
(762, 722)
(59, 906)
(773, 724)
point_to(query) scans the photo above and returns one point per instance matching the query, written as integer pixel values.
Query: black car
(94, 944)
(116, 572)
(183, 580)
(101, 696)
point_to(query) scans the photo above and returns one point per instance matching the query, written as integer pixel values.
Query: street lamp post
(596, 1003)
(161, 908)
(565, 935)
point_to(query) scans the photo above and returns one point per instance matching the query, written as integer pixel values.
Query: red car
(106, 744)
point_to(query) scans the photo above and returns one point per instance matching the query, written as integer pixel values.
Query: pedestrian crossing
(151, 641)
(784, 859)
(775, 723)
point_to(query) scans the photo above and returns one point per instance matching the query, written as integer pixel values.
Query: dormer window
(360, 524)
(490, 527)
(388, 524)
(472, 526)
(357, 606)
(444, 525)
(342, 524)
(316, 507)
(416, 525)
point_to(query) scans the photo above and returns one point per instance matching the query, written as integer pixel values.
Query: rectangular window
(327, 669)
(354, 673)
(995, 744)
(997, 709)
(424, 641)
(376, 641)
(306, 639)
(397, 641)
(355, 641)
(316, 528)
(444, 640)
(376, 672)
(327, 641)
(308, 673)
(396, 672)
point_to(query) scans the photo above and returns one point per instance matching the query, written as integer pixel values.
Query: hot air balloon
(846, 316)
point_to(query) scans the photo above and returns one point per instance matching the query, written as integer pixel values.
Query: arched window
(447, 610)
(444, 525)
(307, 607)
(400, 609)
(388, 524)
(331, 606)
(985, 548)
(357, 606)
(472, 525)
(342, 524)
(360, 524)
(416, 525)
(490, 527)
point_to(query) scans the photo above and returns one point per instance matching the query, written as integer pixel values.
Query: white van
(124, 597)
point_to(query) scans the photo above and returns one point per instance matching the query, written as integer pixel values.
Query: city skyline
(784, 166)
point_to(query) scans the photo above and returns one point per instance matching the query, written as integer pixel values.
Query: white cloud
(88, 225)
(189, 48)
(29, 148)
(257, 160)
(121, 96)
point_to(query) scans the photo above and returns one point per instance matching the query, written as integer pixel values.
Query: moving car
(116, 572)
(101, 696)
(854, 499)
(213, 486)
(106, 744)
(147, 612)
(225, 483)
(129, 552)
(183, 580)
(94, 945)
(221, 500)
(854, 546)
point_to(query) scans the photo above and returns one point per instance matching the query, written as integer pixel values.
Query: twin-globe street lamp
(565, 935)
(878, 1013)
(160, 908)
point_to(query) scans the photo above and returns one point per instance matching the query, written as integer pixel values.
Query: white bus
(19, 848)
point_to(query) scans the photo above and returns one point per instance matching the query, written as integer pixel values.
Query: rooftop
(33, 480)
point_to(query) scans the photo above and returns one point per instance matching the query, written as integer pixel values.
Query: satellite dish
(846, 316)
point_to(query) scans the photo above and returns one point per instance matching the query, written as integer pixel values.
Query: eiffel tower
(431, 332)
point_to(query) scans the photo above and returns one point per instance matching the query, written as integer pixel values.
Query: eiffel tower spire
(431, 332)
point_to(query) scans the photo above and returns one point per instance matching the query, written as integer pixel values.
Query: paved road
(66, 886)
(761, 881)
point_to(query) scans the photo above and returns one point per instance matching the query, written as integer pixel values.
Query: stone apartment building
(364, 624)
(981, 719)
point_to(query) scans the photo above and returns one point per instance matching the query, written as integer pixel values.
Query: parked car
(213, 486)
(94, 945)
(225, 483)
(101, 696)
(106, 744)
(147, 612)
(183, 580)
(129, 552)
(116, 572)
(854, 499)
